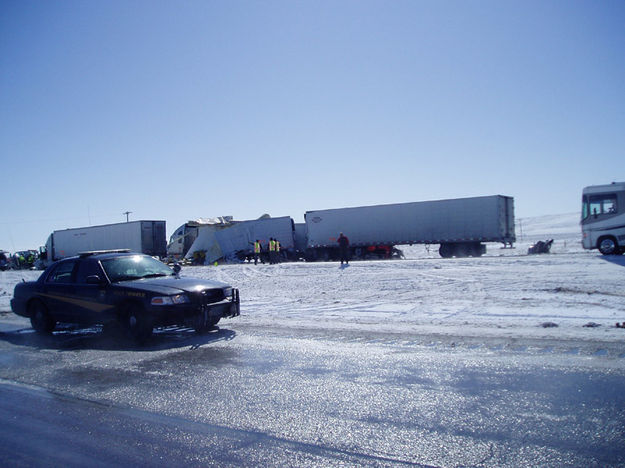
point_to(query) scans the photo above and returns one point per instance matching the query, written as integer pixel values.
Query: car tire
(40, 318)
(140, 324)
(201, 329)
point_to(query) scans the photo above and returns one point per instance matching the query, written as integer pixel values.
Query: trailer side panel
(477, 219)
(138, 236)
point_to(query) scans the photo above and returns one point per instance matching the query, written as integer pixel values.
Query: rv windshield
(595, 205)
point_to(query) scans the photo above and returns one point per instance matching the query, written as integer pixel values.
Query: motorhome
(603, 218)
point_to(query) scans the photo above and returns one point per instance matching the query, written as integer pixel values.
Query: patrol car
(134, 289)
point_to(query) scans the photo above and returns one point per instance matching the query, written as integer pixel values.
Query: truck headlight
(170, 300)
(227, 292)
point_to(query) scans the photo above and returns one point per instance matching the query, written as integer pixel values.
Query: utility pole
(127, 213)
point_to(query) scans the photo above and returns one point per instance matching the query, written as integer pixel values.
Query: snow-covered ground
(506, 293)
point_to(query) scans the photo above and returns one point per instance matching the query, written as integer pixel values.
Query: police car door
(92, 292)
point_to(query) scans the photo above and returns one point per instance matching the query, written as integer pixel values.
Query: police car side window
(87, 268)
(62, 273)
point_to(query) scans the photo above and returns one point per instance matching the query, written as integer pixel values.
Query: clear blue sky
(179, 110)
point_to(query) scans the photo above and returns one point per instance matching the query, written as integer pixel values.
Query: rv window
(602, 204)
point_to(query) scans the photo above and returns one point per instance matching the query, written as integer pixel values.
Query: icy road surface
(247, 396)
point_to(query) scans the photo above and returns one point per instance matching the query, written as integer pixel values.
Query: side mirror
(177, 269)
(94, 279)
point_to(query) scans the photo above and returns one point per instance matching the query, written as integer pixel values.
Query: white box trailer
(458, 225)
(148, 237)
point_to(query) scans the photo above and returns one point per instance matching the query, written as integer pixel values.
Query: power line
(53, 220)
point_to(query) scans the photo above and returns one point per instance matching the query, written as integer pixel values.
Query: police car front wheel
(140, 324)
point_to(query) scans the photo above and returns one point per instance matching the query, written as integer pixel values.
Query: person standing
(343, 242)
(272, 251)
(277, 251)
(257, 250)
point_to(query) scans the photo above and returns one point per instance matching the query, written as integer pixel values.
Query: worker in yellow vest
(272, 250)
(257, 250)
(277, 250)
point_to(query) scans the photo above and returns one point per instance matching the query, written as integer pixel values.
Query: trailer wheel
(477, 250)
(464, 250)
(447, 250)
(608, 246)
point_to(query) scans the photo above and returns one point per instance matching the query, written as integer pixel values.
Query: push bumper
(200, 315)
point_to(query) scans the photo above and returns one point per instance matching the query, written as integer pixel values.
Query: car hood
(172, 285)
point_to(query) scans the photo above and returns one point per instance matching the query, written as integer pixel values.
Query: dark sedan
(137, 290)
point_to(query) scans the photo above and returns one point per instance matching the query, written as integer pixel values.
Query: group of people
(273, 254)
(19, 260)
(273, 251)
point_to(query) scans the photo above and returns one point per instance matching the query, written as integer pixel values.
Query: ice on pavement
(505, 293)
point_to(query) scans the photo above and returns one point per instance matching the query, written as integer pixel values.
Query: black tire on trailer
(447, 250)
(40, 318)
(608, 246)
(477, 250)
(463, 250)
(140, 324)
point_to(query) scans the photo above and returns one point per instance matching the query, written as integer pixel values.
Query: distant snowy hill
(560, 224)
(564, 229)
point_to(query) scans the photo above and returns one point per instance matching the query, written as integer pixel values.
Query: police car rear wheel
(40, 319)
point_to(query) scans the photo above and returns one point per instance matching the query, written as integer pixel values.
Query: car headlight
(170, 300)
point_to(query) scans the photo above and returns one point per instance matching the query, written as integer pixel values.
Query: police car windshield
(134, 267)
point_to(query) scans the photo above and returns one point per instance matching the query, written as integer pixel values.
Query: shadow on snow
(616, 259)
(114, 338)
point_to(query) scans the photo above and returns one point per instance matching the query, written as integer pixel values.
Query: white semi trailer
(147, 237)
(459, 225)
